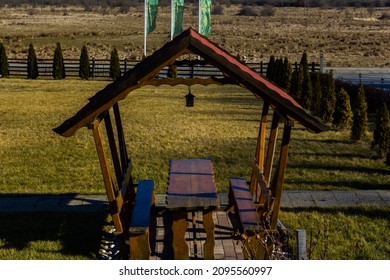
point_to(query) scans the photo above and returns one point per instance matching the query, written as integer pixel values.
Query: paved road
(290, 199)
(376, 77)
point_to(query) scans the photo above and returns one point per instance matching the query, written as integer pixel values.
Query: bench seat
(241, 199)
(140, 219)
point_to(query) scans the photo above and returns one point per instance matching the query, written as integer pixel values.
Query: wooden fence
(101, 68)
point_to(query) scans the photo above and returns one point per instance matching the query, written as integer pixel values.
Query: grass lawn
(342, 234)
(223, 125)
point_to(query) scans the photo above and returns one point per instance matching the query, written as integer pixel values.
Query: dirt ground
(348, 37)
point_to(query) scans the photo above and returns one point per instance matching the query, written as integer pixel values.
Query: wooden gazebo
(265, 186)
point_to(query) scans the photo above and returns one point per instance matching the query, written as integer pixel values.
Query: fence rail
(101, 68)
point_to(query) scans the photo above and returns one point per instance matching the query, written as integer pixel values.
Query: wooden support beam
(271, 148)
(105, 168)
(278, 180)
(261, 190)
(113, 149)
(260, 147)
(121, 138)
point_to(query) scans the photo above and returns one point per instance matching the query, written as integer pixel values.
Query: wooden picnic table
(191, 187)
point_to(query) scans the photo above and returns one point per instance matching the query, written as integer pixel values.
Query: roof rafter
(190, 41)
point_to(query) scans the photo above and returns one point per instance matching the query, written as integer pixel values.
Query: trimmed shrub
(4, 72)
(84, 68)
(342, 117)
(115, 68)
(268, 11)
(247, 11)
(58, 63)
(317, 94)
(328, 98)
(32, 64)
(382, 131)
(296, 85)
(360, 119)
(217, 10)
(307, 92)
(270, 68)
(172, 71)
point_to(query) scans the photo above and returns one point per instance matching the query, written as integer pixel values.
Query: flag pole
(199, 16)
(145, 25)
(172, 18)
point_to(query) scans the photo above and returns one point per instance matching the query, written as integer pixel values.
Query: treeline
(133, 3)
(341, 104)
(58, 66)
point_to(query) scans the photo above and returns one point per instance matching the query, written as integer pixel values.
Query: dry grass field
(348, 37)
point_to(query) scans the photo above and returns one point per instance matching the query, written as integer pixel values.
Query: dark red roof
(190, 41)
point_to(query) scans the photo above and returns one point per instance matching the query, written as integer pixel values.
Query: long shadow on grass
(359, 169)
(79, 233)
(357, 185)
(369, 211)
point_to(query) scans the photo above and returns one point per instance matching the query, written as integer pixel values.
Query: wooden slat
(126, 188)
(194, 166)
(113, 148)
(121, 137)
(260, 147)
(108, 183)
(277, 185)
(271, 148)
(261, 186)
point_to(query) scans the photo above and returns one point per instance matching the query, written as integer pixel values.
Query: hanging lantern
(190, 98)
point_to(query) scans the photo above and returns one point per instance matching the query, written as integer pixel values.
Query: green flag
(152, 6)
(205, 17)
(177, 16)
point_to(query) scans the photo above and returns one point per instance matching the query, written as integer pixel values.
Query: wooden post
(301, 244)
(278, 180)
(271, 147)
(121, 138)
(113, 149)
(104, 166)
(260, 148)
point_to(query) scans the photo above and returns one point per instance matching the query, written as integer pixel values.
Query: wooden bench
(241, 200)
(139, 224)
(130, 211)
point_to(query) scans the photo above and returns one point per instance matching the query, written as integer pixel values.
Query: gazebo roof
(189, 41)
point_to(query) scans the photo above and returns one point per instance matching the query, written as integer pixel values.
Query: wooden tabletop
(191, 184)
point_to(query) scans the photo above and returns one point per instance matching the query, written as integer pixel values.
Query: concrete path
(290, 199)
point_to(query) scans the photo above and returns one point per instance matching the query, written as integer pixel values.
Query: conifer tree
(4, 71)
(317, 94)
(328, 98)
(342, 117)
(360, 119)
(172, 71)
(84, 68)
(296, 85)
(32, 64)
(115, 68)
(287, 72)
(306, 95)
(270, 68)
(382, 131)
(58, 63)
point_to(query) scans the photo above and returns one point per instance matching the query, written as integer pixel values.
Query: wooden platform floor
(227, 242)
